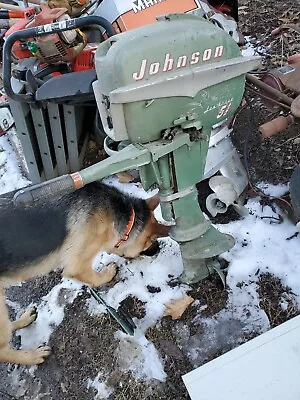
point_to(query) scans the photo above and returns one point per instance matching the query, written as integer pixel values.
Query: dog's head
(145, 240)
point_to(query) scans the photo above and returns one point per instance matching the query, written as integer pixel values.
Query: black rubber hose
(4, 14)
(41, 31)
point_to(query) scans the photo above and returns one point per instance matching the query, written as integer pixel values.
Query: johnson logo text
(170, 63)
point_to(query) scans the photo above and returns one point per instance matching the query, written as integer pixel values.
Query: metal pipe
(257, 82)
(256, 91)
(11, 7)
(165, 187)
(9, 14)
(128, 158)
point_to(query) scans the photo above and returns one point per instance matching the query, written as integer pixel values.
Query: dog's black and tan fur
(67, 232)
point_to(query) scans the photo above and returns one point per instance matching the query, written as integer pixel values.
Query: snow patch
(262, 247)
(50, 314)
(253, 47)
(136, 277)
(134, 280)
(249, 49)
(11, 177)
(273, 190)
(103, 392)
(138, 355)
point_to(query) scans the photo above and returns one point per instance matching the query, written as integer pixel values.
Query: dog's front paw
(104, 276)
(109, 272)
(42, 353)
(25, 319)
(36, 356)
(29, 316)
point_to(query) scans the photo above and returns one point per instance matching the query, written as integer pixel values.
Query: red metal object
(286, 77)
(223, 8)
(46, 16)
(86, 59)
(275, 83)
(49, 48)
(19, 51)
(24, 15)
(16, 14)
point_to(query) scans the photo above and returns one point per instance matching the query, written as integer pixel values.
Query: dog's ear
(153, 202)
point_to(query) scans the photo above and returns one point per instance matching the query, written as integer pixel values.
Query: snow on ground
(253, 47)
(249, 49)
(50, 314)
(103, 392)
(261, 246)
(10, 175)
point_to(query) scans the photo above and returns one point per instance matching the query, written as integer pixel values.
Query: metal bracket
(215, 267)
(178, 195)
(161, 148)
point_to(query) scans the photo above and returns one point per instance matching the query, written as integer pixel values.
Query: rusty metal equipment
(279, 89)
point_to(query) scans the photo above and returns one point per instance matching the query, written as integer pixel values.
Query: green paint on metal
(162, 90)
(201, 43)
(32, 47)
(132, 156)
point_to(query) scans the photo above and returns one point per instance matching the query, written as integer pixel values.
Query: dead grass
(272, 295)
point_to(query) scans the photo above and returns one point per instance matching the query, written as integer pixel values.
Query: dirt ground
(81, 343)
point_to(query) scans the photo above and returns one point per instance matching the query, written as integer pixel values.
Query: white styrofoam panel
(265, 368)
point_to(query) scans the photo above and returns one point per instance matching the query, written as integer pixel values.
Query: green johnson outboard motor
(163, 87)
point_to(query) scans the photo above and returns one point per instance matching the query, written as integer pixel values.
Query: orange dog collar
(128, 229)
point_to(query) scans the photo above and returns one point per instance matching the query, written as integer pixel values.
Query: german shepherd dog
(68, 232)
